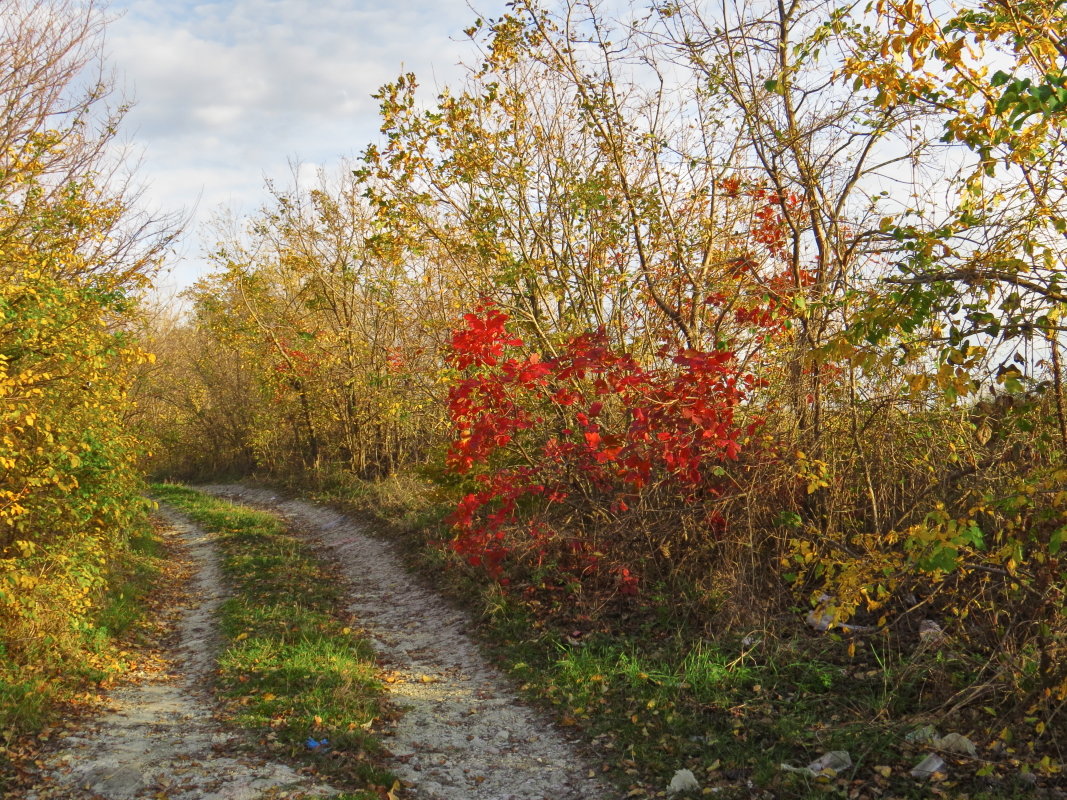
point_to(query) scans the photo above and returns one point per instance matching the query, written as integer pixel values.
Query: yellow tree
(984, 274)
(73, 255)
(569, 179)
(339, 341)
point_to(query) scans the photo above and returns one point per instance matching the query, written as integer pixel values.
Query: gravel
(159, 738)
(463, 733)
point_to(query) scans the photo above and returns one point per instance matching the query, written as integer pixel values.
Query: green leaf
(1055, 541)
(1000, 77)
(973, 536)
(944, 559)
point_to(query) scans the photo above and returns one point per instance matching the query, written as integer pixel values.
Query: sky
(228, 93)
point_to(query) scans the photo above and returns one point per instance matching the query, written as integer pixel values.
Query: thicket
(73, 257)
(719, 311)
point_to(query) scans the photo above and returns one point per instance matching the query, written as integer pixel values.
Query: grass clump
(734, 709)
(291, 668)
(650, 691)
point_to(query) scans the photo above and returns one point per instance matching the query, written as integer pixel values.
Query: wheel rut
(462, 734)
(159, 738)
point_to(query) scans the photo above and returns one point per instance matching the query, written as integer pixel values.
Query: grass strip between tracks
(291, 668)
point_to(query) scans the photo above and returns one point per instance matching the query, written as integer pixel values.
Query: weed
(62, 655)
(650, 693)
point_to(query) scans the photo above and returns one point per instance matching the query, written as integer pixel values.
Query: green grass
(652, 707)
(650, 692)
(71, 658)
(124, 606)
(291, 667)
(649, 704)
(649, 695)
(653, 710)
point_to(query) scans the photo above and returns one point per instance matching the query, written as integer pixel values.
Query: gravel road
(463, 734)
(158, 738)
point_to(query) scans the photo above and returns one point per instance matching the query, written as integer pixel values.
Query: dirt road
(159, 738)
(463, 734)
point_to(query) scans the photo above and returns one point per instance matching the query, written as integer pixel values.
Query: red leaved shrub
(589, 466)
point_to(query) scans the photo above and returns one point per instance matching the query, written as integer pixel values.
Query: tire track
(160, 739)
(463, 735)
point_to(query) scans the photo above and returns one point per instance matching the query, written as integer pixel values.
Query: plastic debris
(929, 767)
(956, 743)
(683, 781)
(924, 734)
(825, 766)
(836, 760)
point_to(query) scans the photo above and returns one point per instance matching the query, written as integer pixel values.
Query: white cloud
(228, 92)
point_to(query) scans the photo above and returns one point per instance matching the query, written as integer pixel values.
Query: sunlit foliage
(73, 258)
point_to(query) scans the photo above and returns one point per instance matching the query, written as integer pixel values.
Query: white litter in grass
(929, 767)
(683, 781)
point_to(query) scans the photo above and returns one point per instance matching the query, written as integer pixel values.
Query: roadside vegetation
(674, 334)
(56, 678)
(659, 684)
(77, 552)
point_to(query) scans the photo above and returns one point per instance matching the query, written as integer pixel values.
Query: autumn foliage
(71, 269)
(550, 443)
(747, 338)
